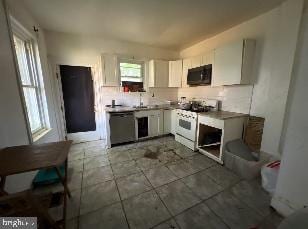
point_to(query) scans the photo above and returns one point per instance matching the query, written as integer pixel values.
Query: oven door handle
(186, 119)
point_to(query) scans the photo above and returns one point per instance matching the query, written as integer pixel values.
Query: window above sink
(132, 74)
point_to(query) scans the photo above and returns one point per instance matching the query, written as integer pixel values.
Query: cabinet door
(196, 61)
(208, 58)
(248, 60)
(142, 127)
(158, 73)
(173, 121)
(204, 59)
(167, 121)
(161, 73)
(153, 125)
(228, 64)
(171, 74)
(186, 66)
(110, 70)
(160, 117)
(151, 78)
(156, 123)
(175, 73)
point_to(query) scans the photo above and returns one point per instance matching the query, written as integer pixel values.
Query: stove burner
(199, 106)
(198, 109)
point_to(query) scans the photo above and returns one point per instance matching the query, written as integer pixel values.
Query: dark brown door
(78, 96)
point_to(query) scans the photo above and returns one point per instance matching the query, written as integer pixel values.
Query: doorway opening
(78, 103)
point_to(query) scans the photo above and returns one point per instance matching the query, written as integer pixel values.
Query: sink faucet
(140, 100)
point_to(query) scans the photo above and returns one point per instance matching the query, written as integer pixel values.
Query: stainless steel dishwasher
(122, 127)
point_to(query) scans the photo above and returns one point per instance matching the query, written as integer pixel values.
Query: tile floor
(170, 187)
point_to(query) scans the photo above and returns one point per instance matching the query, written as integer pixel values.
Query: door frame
(97, 82)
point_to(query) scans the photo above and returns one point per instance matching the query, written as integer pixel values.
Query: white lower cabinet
(155, 123)
(159, 122)
(167, 121)
(173, 121)
(214, 133)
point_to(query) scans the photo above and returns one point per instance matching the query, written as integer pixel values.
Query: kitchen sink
(141, 107)
(146, 107)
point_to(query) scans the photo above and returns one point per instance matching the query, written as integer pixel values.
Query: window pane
(22, 61)
(32, 108)
(131, 70)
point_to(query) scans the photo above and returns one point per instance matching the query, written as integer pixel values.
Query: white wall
(233, 98)
(17, 10)
(275, 33)
(66, 48)
(161, 95)
(292, 186)
(13, 129)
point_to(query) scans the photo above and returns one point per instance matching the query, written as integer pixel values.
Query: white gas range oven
(187, 120)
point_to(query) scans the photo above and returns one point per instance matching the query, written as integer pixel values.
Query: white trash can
(269, 173)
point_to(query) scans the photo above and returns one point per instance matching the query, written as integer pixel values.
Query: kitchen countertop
(222, 115)
(128, 109)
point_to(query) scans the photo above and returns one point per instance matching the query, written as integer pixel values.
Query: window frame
(35, 77)
(132, 61)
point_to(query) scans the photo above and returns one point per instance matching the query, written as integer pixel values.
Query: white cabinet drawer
(217, 123)
(140, 114)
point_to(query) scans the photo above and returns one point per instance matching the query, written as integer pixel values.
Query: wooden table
(26, 158)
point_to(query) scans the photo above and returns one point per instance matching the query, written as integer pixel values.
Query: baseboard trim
(282, 206)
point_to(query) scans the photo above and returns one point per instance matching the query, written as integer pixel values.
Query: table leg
(2, 186)
(65, 191)
(42, 212)
(64, 179)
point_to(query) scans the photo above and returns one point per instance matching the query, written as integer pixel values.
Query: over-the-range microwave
(200, 75)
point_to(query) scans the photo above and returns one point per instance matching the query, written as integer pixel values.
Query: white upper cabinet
(175, 73)
(110, 70)
(158, 73)
(208, 58)
(196, 61)
(186, 66)
(233, 63)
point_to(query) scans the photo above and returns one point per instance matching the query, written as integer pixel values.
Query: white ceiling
(172, 24)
